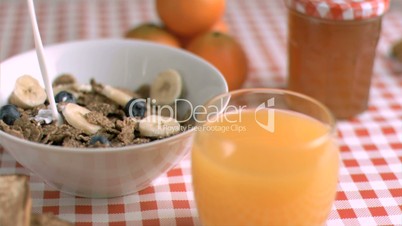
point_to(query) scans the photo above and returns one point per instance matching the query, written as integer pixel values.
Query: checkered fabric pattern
(370, 183)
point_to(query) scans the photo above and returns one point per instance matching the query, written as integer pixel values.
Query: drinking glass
(264, 157)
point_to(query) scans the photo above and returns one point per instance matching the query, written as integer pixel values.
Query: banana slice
(158, 126)
(115, 94)
(128, 92)
(167, 87)
(74, 115)
(64, 79)
(82, 87)
(27, 93)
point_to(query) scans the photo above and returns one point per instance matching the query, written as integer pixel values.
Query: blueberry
(9, 113)
(64, 96)
(99, 138)
(136, 107)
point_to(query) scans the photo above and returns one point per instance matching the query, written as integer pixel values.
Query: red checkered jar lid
(340, 9)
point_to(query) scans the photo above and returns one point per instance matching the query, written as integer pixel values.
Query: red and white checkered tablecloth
(370, 186)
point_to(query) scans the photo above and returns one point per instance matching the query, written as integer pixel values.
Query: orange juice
(246, 175)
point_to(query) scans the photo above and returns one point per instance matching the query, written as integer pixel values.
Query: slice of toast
(15, 205)
(47, 219)
(15, 200)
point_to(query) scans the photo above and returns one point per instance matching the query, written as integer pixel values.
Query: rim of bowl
(122, 148)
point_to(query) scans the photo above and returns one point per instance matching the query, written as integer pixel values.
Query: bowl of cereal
(126, 113)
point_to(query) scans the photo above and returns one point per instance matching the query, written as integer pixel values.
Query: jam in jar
(331, 50)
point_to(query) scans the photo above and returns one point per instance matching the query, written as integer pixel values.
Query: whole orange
(219, 25)
(189, 17)
(225, 53)
(154, 33)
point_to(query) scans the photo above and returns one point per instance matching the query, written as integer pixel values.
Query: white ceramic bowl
(108, 172)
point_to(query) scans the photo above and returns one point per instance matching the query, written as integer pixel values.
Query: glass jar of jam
(331, 50)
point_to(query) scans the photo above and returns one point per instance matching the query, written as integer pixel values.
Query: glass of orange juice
(264, 157)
